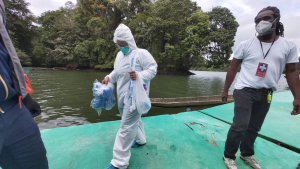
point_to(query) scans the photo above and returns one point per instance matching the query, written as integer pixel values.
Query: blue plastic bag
(104, 96)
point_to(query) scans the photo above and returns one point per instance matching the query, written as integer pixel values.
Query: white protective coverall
(132, 128)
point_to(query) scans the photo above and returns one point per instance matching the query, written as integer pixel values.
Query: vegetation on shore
(177, 33)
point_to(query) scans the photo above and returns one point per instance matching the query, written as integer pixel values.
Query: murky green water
(65, 96)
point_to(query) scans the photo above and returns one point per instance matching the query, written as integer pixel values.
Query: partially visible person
(262, 60)
(131, 133)
(21, 146)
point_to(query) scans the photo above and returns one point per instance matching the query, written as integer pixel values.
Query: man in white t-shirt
(262, 60)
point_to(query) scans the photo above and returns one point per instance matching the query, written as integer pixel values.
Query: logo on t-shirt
(262, 69)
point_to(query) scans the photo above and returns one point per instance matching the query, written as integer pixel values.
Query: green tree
(130, 8)
(58, 38)
(100, 18)
(24, 58)
(222, 30)
(20, 22)
(174, 32)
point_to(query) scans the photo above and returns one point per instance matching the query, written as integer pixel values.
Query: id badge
(262, 69)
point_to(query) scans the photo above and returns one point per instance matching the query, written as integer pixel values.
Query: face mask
(124, 50)
(264, 27)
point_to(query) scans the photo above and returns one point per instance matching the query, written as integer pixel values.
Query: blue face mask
(124, 50)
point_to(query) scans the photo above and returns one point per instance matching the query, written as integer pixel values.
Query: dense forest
(177, 33)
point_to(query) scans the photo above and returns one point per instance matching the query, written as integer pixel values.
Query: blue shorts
(22, 145)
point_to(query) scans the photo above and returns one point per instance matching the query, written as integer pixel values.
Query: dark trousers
(250, 109)
(23, 147)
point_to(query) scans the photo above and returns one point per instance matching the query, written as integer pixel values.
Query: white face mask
(264, 26)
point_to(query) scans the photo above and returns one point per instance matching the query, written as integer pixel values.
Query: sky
(37, 7)
(243, 10)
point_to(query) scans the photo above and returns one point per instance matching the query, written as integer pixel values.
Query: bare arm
(292, 76)
(230, 77)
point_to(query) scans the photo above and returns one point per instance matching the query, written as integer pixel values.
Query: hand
(296, 109)
(132, 75)
(105, 81)
(33, 107)
(224, 96)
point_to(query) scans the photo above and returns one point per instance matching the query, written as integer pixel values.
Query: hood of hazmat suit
(145, 66)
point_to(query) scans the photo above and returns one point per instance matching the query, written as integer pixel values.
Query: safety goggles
(121, 45)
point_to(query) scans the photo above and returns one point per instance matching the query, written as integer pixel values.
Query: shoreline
(175, 73)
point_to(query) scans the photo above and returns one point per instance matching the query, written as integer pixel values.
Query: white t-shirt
(282, 52)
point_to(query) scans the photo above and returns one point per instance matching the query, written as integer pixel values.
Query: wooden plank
(189, 101)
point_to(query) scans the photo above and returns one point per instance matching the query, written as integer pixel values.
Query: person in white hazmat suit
(131, 133)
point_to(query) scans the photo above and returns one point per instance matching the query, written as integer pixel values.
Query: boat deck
(182, 141)
(279, 124)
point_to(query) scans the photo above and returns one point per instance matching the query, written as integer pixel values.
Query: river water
(65, 96)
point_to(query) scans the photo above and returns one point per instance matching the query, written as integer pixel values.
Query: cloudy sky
(243, 10)
(39, 6)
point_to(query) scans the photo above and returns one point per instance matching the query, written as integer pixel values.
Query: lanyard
(269, 48)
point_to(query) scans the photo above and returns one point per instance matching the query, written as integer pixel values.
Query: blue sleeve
(4, 75)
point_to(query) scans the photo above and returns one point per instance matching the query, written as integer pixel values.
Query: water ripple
(65, 96)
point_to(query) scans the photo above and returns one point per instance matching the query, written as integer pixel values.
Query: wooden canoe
(189, 101)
